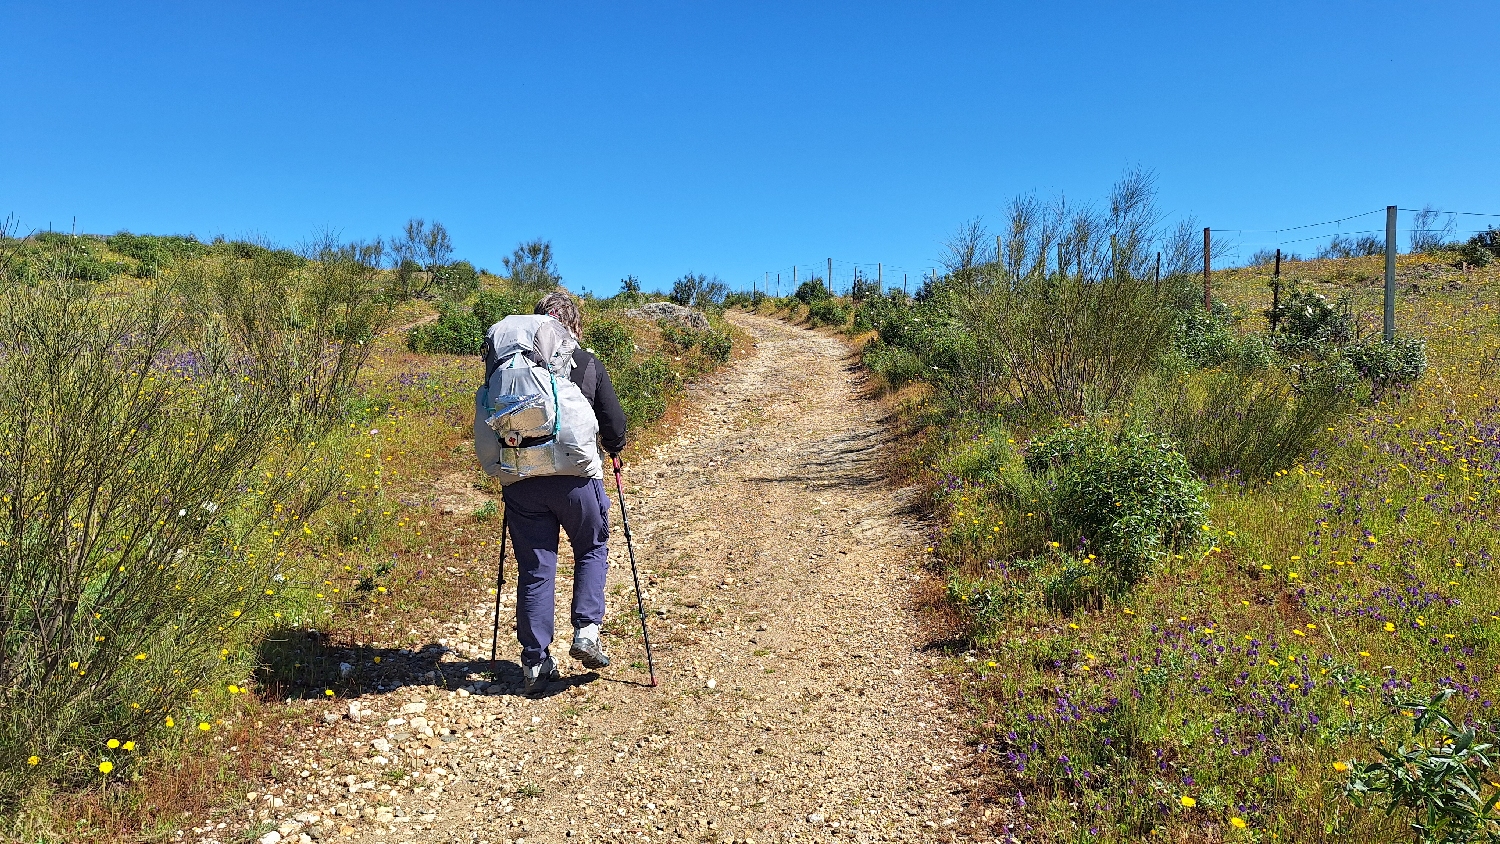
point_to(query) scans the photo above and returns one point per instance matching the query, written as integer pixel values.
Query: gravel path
(793, 703)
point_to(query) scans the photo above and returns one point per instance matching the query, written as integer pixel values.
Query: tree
(531, 266)
(419, 254)
(699, 290)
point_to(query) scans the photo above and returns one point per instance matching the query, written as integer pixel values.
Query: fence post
(1276, 293)
(830, 276)
(880, 274)
(1157, 280)
(778, 285)
(1390, 273)
(1208, 304)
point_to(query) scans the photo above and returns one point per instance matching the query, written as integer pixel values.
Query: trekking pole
(640, 603)
(499, 587)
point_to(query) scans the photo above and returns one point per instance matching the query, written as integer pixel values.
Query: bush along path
(795, 703)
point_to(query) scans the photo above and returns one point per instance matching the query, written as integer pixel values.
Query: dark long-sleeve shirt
(590, 376)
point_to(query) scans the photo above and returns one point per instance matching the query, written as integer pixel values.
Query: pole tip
(653, 682)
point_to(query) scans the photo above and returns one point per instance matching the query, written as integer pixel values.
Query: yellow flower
(106, 766)
(112, 744)
(1237, 823)
(204, 726)
(170, 722)
(140, 656)
(35, 760)
(129, 745)
(1389, 627)
(1187, 802)
(328, 692)
(1341, 766)
(233, 689)
(992, 664)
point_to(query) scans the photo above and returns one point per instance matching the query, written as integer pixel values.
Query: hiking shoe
(587, 651)
(539, 676)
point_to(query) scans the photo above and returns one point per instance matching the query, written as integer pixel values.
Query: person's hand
(615, 460)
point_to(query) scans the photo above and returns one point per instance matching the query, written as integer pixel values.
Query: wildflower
(129, 746)
(328, 692)
(1341, 766)
(106, 766)
(1364, 653)
(204, 726)
(1389, 627)
(1237, 823)
(170, 722)
(35, 760)
(992, 664)
(1072, 627)
(1293, 686)
(233, 689)
(1187, 802)
(112, 744)
(140, 656)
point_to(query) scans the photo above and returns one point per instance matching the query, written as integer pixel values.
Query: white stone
(414, 708)
(380, 745)
(272, 837)
(712, 682)
(815, 818)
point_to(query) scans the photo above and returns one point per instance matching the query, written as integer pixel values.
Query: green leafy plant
(1442, 776)
(1123, 497)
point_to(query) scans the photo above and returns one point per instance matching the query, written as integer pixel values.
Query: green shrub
(456, 331)
(610, 341)
(495, 305)
(644, 388)
(828, 312)
(893, 363)
(1396, 364)
(1444, 777)
(1245, 419)
(1210, 339)
(456, 281)
(1308, 324)
(1125, 497)
(751, 299)
(699, 291)
(153, 252)
(155, 468)
(812, 290)
(716, 345)
(983, 604)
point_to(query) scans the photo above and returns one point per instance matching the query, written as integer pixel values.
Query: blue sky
(734, 138)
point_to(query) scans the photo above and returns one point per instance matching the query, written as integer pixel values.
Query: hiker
(545, 409)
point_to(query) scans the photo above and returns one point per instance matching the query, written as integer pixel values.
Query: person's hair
(561, 307)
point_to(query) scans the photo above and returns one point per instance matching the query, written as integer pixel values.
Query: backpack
(530, 419)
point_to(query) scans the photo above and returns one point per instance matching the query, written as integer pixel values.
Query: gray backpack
(530, 420)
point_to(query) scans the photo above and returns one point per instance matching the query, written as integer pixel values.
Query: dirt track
(793, 702)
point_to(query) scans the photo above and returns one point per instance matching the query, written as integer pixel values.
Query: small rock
(250, 797)
(345, 669)
(355, 713)
(272, 837)
(380, 745)
(815, 818)
(712, 683)
(330, 717)
(414, 708)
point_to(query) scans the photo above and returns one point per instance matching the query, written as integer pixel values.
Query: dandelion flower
(1389, 627)
(129, 746)
(112, 744)
(1237, 823)
(1187, 802)
(106, 766)
(170, 723)
(233, 689)
(1341, 766)
(140, 656)
(328, 692)
(35, 760)
(204, 726)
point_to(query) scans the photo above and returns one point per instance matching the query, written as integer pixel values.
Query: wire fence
(1245, 246)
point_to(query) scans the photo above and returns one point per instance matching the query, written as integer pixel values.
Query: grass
(410, 535)
(1231, 694)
